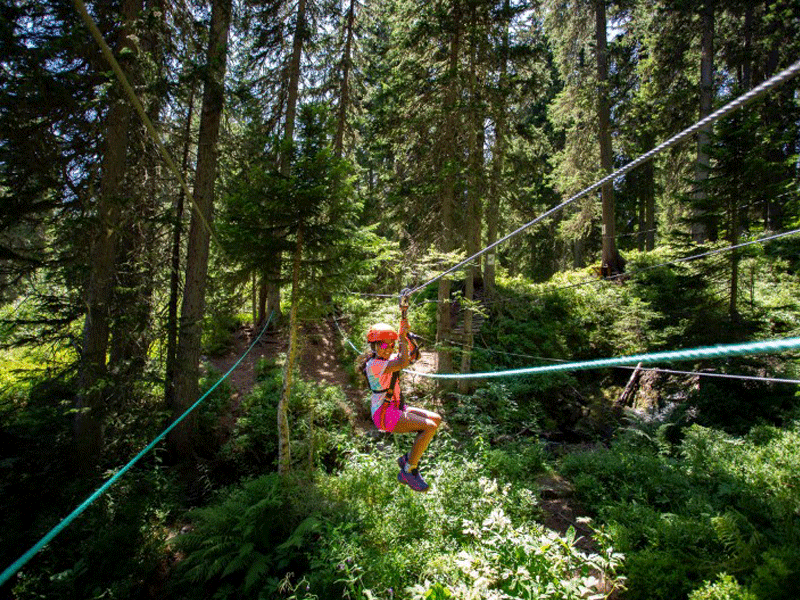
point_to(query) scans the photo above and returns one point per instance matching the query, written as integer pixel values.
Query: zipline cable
(719, 375)
(761, 347)
(745, 98)
(137, 104)
(563, 361)
(344, 337)
(768, 238)
(633, 273)
(680, 260)
(22, 560)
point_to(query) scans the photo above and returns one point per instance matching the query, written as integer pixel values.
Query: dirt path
(243, 378)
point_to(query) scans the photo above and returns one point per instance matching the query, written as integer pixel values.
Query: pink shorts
(387, 416)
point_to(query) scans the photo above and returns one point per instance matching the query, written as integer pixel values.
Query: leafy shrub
(776, 577)
(725, 588)
(516, 461)
(735, 406)
(320, 427)
(729, 505)
(358, 534)
(241, 546)
(212, 409)
(469, 538)
(252, 448)
(111, 550)
(217, 330)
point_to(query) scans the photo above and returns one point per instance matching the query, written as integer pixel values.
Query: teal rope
(10, 571)
(764, 347)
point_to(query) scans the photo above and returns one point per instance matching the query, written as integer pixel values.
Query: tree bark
(193, 306)
(733, 238)
(498, 163)
(444, 362)
(294, 87)
(88, 426)
(703, 227)
(284, 439)
(285, 160)
(648, 192)
(474, 196)
(344, 87)
(175, 266)
(612, 262)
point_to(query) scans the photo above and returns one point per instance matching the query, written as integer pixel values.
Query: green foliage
(241, 546)
(470, 537)
(320, 427)
(115, 545)
(214, 406)
(253, 446)
(358, 534)
(735, 406)
(727, 505)
(264, 209)
(217, 332)
(724, 588)
(516, 461)
(497, 409)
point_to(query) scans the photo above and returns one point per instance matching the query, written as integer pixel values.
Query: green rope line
(764, 347)
(20, 562)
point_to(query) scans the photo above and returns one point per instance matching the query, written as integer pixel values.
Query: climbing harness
(414, 355)
(388, 399)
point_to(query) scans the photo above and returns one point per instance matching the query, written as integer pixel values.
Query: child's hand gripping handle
(404, 302)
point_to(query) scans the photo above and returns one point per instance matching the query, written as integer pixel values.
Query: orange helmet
(381, 331)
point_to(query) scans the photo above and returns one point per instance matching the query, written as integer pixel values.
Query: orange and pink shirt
(379, 379)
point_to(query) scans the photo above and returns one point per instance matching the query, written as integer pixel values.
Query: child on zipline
(382, 367)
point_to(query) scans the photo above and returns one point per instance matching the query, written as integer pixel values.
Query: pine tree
(193, 306)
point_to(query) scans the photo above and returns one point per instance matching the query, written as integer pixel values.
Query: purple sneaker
(413, 480)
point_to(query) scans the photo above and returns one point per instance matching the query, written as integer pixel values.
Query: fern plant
(243, 546)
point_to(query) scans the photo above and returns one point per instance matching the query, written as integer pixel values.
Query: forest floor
(321, 361)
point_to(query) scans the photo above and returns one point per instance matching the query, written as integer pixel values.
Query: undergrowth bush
(725, 588)
(359, 534)
(111, 550)
(320, 427)
(714, 504)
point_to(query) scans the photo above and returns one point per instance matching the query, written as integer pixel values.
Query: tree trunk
(649, 196)
(254, 299)
(447, 198)
(733, 310)
(474, 195)
(284, 439)
(175, 266)
(612, 262)
(285, 160)
(703, 227)
(193, 306)
(344, 88)
(498, 162)
(294, 87)
(138, 251)
(92, 392)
